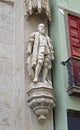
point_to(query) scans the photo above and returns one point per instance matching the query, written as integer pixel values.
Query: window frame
(72, 90)
(73, 113)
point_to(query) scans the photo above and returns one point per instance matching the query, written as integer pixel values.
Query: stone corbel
(38, 6)
(41, 98)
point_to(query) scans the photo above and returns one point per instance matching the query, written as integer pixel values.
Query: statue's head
(41, 28)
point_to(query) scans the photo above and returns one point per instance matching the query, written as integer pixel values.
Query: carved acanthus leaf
(33, 6)
(41, 99)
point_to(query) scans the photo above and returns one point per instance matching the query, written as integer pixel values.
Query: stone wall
(14, 32)
(11, 66)
(6, 66)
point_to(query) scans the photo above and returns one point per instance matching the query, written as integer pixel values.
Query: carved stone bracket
(38, 6)
(41, 99)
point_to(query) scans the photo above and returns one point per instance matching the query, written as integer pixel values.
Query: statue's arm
(30, 43)
(52, 50)
(52, 53)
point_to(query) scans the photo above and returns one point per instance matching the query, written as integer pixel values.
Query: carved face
(41, 28)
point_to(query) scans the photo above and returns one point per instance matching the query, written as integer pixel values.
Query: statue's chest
(43, 40)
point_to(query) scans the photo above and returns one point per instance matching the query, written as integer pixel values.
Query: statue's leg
(29, 67)
(37, 70)
(45, 72)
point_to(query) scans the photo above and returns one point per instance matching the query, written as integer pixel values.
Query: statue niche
(39, 55)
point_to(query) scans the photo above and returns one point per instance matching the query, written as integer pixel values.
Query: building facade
(16, 24)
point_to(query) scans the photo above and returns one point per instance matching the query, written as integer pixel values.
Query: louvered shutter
(74, 31)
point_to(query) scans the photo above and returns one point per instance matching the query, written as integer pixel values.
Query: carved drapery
(38, 6)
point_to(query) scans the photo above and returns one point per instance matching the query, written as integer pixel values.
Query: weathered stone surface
(14, 111)
(40, 6)
(41, 99)
(6, 67)
(11, 67)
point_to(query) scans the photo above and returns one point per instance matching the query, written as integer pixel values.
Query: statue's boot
(35, 80)
(45, 74)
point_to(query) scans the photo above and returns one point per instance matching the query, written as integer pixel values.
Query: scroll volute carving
(38, 6)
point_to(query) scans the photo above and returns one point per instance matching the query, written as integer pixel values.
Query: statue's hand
(40, 62)
(28, 52)
(52, 57)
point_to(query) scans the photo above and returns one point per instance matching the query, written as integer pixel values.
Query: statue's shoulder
(34, 34)
(48, 38)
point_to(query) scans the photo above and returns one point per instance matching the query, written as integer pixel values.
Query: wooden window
(74, 33)
(73, 118)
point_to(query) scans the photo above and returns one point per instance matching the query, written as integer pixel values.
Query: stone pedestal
(41, 99)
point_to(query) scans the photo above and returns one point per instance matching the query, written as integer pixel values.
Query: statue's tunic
(41, 49)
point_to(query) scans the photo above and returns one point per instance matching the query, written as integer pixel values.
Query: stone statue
(40, 53)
